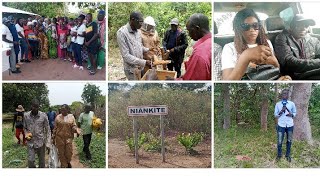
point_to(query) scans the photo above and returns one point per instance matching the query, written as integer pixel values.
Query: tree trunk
(226, 106)
(276, 98)
(300, 96)
(264, 108)
(237, 106)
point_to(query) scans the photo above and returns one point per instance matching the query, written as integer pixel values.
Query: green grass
(97, 149)
(13, 155)
(261, 147)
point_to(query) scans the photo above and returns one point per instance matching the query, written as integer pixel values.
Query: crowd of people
(40, 130)
(295, 54)
(75, 40)
(139, 42)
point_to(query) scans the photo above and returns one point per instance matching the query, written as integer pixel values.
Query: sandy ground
(120, 157)
(53, 69)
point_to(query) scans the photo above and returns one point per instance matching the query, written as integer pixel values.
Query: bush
(141, 140)
(153, 144)
(189, 141)
(188, 111)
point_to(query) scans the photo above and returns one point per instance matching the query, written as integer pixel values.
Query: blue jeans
(24, 48)
(77, 48)
(289, 134)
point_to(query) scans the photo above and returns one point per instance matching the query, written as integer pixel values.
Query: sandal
(92, 72)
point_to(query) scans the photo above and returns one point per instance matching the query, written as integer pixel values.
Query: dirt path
(120, 157)
(75, 161)
(53, 69)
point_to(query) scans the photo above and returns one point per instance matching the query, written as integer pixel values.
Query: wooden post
(162, 139)
(135, 131)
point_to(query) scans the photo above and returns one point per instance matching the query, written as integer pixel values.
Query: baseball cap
(174, 21)
(301, 18)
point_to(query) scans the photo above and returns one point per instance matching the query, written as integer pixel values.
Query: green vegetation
(13, 155)
(97, 149)
(259, 150)
(190, 140)
(163, 12)
(189, 110)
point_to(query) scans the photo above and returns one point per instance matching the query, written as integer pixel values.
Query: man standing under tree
(36, 127)
(284, 111)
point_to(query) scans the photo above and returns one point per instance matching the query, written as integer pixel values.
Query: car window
(311, 10)
(224, 21)
(287, 16)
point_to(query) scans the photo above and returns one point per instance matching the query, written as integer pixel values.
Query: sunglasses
(247, 27)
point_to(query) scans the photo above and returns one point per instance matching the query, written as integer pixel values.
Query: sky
(66, 93)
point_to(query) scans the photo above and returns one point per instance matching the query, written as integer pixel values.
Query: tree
(91, 94)
(264, 107)
(14, 94)
(300, 96)
(226, 106)
(48, 9)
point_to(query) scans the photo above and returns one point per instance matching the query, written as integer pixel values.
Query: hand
(289, 115)
(273, 61)
(172, 50)
(79, 131)
(86, 44)
(148, 63)
(259, 54)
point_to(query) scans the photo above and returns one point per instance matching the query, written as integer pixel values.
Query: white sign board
(147, 110)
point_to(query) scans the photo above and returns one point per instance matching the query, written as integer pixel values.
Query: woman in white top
(250, 46)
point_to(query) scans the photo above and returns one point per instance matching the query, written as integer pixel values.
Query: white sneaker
(99, 67)
(81, 68)
(75, 66)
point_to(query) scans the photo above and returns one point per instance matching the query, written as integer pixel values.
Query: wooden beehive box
(161, 74)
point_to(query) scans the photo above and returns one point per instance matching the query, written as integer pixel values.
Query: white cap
(29, 24)
(149, 20)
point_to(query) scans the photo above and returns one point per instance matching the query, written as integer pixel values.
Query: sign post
(135, 131)
(159, 110)
(162, 139)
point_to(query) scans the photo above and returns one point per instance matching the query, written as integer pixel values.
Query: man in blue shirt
(285, 111)
(51, 117)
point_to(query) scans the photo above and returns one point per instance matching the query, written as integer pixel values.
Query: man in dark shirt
(15, 36)
(18, 124)
(51, 117)
(175, 42)
(297, 52)
(91, 42)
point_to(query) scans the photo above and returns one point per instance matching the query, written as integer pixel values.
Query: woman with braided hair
(250, 46)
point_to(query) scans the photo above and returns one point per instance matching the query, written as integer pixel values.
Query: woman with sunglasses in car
(250, 47)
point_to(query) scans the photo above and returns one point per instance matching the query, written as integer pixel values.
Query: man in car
(298, 53)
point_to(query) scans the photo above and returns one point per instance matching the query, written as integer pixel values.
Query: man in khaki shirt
(36, 123)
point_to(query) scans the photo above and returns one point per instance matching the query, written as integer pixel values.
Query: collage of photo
(250, 101)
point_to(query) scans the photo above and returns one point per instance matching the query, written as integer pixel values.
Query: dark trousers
(16, 51)
(177, 67)
(34, 48)
(289, 133)
(86, 144)
(24, 48)
(77, 48)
